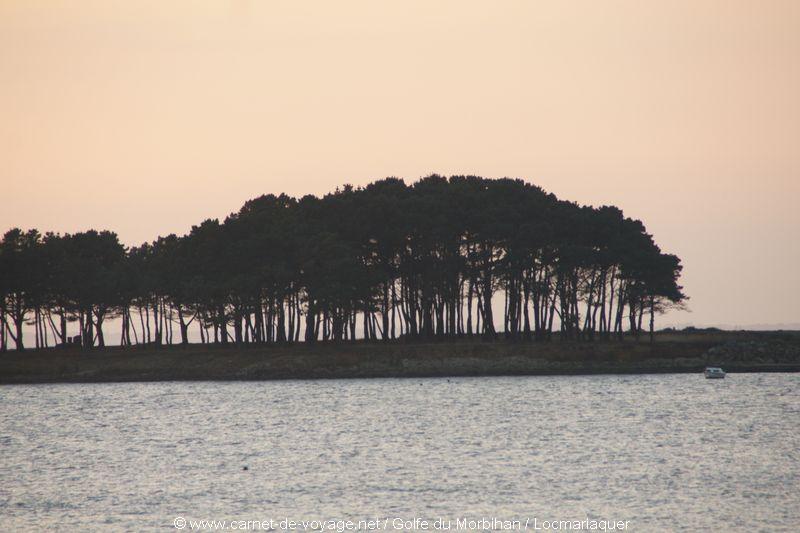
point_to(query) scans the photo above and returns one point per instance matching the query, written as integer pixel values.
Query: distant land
(788, 326)
(670, 352)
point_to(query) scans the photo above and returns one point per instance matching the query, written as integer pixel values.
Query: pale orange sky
(145, 117)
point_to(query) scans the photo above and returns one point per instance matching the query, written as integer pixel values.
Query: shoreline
(598, 371)
(670, 353)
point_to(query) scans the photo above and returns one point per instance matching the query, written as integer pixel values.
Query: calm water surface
(666, 452)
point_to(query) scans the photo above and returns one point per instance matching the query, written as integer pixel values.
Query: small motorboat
(714, 372)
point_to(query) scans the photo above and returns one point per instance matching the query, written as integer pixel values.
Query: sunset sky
(146, 117)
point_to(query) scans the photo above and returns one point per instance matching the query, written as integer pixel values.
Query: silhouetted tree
(431, 260)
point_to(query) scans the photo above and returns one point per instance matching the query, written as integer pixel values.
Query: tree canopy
(434, 259)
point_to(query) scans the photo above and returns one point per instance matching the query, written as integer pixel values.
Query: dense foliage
(385, 261)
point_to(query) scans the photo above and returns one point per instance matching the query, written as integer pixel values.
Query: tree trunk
(18, 338)
(184, 327)
(223, 325)
(488, 318)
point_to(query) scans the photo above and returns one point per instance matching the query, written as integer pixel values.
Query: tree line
(434, 259)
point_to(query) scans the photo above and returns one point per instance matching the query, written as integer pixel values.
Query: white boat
(714, 372)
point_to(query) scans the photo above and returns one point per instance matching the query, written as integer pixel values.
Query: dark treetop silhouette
(379, 262)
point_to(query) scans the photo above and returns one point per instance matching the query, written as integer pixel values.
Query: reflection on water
(664, 451)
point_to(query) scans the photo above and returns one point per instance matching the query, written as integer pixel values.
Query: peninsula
(671, 352)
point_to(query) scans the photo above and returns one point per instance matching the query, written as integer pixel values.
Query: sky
(147, 117)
